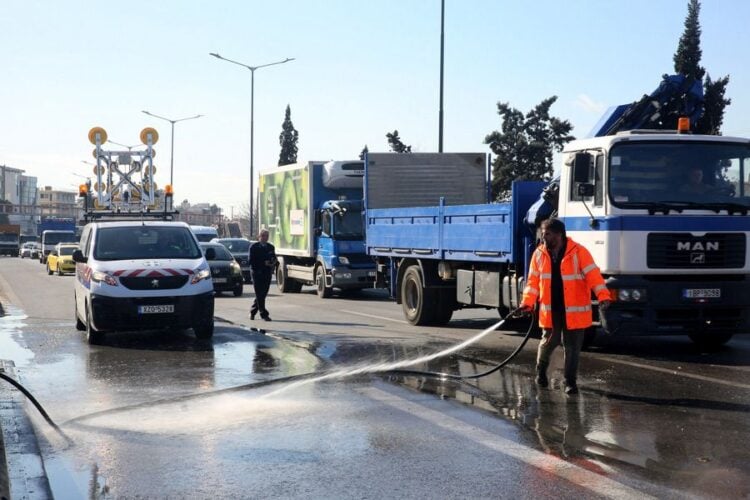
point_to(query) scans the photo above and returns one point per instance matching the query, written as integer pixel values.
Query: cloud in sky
(590, 105)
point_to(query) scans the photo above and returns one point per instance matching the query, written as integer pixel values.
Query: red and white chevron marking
(152, 273)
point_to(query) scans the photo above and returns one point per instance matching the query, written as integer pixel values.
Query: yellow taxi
(60, 259)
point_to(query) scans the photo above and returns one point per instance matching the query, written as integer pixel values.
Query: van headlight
(99, 277)
(344, 260)
(200, 275)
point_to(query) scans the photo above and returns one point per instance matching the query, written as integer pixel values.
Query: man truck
(313, 212)
(675, 259)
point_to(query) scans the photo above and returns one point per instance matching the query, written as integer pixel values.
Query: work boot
(252, 315)
(571, 387)
(541, 376)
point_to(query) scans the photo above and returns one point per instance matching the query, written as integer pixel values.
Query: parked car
(240, 250)
(30, 249)
(226, 273)
(60, 259)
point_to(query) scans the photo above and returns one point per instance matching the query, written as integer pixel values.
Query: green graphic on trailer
(283, 207)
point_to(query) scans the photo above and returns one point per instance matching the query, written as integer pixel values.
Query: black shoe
(541, 379)
(252, 315)
(571, 389)
(266, 317)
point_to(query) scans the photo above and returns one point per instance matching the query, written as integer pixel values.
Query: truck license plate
(702, 293)
(220, 280)
(169, 308)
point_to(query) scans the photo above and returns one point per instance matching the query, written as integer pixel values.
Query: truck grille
(160, 283)
(685, 251)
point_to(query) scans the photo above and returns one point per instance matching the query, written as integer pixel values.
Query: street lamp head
(215, 54)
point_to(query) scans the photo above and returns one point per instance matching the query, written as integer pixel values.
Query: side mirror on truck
(581, 167)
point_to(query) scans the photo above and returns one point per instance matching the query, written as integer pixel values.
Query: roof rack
(118, 215)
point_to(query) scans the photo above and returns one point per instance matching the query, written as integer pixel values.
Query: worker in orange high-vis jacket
(561, 277)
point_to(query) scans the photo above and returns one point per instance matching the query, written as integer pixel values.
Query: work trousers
(572, 341)
(261, 284)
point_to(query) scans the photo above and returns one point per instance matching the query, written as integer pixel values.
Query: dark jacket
(261, 253)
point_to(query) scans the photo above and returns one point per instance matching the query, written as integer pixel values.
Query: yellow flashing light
(83, 190)
(168, 189)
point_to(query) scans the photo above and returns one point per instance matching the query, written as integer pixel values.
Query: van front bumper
(123, 313)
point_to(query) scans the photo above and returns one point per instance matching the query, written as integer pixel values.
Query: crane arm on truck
(676, 96)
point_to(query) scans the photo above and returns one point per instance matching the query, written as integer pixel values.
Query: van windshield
(145, 242)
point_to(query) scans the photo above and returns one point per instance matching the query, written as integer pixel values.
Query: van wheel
(416, 300)
(93, 336)
(320, 283)
(80, 325)
(205, 330)
(59, 271)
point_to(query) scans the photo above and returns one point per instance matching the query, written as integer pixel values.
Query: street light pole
(171, 154)
(442, 56)
(252, 119)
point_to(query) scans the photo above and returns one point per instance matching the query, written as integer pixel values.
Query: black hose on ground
(495, 368)
(36, 404)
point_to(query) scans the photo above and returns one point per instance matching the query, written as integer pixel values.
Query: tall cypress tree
(288, 140)
(363, 152)
(687, 62)
(688, 56)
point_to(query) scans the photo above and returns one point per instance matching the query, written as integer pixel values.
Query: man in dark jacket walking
(262, 264)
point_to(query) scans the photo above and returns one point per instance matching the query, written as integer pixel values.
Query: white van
(142, 275)
(204, 233)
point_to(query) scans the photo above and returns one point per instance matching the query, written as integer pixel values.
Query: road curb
(22, 473)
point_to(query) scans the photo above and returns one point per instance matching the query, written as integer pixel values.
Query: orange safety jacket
(580, 276)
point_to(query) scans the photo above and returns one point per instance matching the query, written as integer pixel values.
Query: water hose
(36, 404)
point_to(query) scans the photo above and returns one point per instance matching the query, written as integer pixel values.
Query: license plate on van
(169, 308)
(702, 293)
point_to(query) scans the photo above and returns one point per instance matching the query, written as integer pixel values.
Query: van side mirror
(581, 167)
(78, 257)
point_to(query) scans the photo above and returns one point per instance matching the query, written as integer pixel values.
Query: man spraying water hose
(562, 276)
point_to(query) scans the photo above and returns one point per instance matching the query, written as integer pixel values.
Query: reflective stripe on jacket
(580, 276)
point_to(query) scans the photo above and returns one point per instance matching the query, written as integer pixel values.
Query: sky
(361, 69)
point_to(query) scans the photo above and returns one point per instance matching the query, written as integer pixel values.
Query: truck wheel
(283, 282)
(446, 304)
(417, 301)
(320, 283)
(93, 336)
(710, 341)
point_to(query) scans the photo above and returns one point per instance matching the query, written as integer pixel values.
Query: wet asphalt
(155, 413)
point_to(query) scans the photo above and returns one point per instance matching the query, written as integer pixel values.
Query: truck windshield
(348, 226)
(670, 175)
(9, 237)
(55, 237)
(144, 242)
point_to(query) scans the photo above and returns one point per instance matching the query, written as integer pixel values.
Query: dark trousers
(572, 341)
(261, 284)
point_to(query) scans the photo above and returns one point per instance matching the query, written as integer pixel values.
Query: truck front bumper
(349, 278)
(676, 307)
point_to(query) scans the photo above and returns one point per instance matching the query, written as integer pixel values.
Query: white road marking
(374, 316)
(678, 373)
(577, 475)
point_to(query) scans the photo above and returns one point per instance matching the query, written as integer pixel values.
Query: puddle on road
(11, 332)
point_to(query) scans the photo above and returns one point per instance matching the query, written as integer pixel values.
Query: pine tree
(714, 104)
(394, 141)
(524, 146)
(288, 140)
(363, 152)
